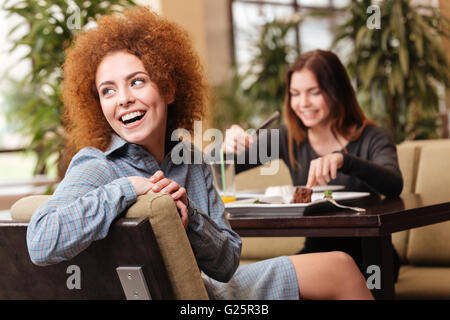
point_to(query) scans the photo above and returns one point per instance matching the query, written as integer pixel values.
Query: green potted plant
(250, 95)
(400, 67)
(34, 102)
(254, 93)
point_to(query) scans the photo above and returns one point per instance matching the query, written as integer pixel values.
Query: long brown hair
(338, 93)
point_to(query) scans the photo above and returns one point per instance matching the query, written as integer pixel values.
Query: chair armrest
(174, 244)
(24, 208)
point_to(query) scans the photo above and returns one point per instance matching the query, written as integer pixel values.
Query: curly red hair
(167, 54)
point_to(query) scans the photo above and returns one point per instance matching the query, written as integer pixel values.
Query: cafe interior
(397, 54)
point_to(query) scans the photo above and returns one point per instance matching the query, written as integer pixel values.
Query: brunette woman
(327, 139)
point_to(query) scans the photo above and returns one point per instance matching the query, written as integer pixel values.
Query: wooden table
(384, 216)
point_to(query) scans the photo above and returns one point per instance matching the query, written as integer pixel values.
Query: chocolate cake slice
(302, 195)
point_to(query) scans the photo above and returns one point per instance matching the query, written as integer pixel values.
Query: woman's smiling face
(131, 102)
(307, 99)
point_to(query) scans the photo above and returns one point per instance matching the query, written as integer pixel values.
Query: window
(13, 165)
(10, 68)
(315, 32)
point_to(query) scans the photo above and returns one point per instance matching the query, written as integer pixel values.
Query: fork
(357, 209)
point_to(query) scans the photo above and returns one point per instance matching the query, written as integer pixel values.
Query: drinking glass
(224, 179)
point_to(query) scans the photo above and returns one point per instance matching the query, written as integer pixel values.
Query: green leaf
(385, 37)
(360, 36)
(418, 44)
(397, 79)
(32, 111)
(372, 67)
(404, 59)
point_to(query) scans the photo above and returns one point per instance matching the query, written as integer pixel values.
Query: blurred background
(396, 52)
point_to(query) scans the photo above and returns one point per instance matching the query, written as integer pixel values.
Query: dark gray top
(370, 162)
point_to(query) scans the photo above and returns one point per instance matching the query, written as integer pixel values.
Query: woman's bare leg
(329, 275)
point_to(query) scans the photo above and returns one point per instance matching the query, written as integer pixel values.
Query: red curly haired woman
(127, 85)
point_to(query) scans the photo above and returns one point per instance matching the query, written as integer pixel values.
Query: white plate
(341, 195)
(279, 207)
(328, 187)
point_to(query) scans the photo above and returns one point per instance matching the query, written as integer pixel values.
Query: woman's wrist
(341, 159)
(140, 185)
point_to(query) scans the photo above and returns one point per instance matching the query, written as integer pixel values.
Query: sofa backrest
(424, 166)
(430, 245)
(413, 156)
(433, 172)
(408, 160)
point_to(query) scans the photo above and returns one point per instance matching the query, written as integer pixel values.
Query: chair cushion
(430, 245)
(423, 283)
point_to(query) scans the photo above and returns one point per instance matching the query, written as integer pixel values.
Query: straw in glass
(222, 170)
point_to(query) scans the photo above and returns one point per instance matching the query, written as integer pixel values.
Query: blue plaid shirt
(96, 190)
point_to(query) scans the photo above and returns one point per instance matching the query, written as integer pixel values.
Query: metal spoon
(357, 209)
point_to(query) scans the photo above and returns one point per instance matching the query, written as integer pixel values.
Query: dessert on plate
(302, 195)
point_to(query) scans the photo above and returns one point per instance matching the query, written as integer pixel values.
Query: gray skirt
(271, 279)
